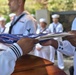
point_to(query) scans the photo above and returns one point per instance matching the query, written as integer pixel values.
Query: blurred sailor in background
(2, 24)
(73, 25)
(42, 51)
(7, 26)
(43, 25)
(2, 29)
(56, 27)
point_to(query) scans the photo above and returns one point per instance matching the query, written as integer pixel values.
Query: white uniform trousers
(43, 53)
(59, 57)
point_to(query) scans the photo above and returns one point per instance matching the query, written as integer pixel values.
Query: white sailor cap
(2, 19)
(42, 20)
(55, 16)
(12, 14)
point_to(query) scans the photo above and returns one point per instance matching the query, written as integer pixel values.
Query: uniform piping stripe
(16, 51)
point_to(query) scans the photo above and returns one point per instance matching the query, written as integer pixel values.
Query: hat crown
(12, 14)
(55, 16)
(2, 19)
(42, 20)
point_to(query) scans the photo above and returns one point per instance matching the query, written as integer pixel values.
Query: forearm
(64, 47)
(54, 43)
(8, 59)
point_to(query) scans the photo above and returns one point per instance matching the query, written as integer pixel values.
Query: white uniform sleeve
(8, 59)
(30, 27)
(60, 28)
(66, 48)
(50, 28)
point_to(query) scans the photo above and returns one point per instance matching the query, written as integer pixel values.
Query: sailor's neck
(43, 28)
(19, 12)
(55, 22)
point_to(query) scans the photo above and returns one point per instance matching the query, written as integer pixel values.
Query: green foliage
(52, 5)
(33, 5)
(3, 7)
(60, 5)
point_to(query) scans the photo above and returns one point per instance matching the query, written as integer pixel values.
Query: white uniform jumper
(25, 25)
(8, 56)
(45, 50)
(55, 28)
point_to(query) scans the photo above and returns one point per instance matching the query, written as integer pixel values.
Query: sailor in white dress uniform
(71, 69)
(56, 27)
(22, 24)
(74, 25)
(69, 50)
(42, 51)
(9, 55)
(66, 47)
(2, 24)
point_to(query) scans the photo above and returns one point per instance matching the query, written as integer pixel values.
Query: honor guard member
(7, 26)
(2, 24)
(74, 25)
(22, 23)
(67, 47)
(71, 69)
(56, 27)
(42, 51)
(9, 55)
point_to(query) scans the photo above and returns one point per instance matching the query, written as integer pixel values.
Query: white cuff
(19, 48)
(16, 50)
(60, 46)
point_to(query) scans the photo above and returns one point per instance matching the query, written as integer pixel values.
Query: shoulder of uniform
(26, 18)
(60, 24)
(29, 17)
(51, 24)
